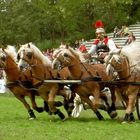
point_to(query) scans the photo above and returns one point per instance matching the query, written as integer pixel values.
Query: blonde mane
(37, 53)
(68, 50)
(132, 52)
(75, 53)
(11, 51)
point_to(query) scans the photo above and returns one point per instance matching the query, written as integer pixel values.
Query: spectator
(120, 33)
(76, 44)
(83, 48)
(116, 31)
(131, 38)
(48, 53)
(126, 30)
(82, 51)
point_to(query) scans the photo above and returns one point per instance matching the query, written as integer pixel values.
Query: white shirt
(111, 45)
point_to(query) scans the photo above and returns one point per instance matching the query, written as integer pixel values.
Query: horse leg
(130, 107)
(131, 93)
(69, 104)
(107, 107)
(34, 105)
(90, 103)
(132, 118)
(46, 106)
(112, 110)
(51, 102)
(68, 101)
(27, 106)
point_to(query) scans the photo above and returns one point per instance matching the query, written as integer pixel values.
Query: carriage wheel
(138, 107)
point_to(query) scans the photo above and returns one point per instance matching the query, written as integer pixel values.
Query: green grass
(14, 125)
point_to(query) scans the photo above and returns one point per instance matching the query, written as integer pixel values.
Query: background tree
(49, 22)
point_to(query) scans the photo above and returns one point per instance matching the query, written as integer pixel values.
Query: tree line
(49, 22)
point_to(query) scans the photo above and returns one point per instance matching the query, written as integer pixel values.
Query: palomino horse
(16, 81)
(88, 74)
(126, 79)
(30, 56)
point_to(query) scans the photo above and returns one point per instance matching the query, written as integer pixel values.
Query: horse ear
(66, 46)
(3, 58)
(28, 45)
(18, 46)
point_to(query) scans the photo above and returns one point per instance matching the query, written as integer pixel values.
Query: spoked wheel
(138, 107)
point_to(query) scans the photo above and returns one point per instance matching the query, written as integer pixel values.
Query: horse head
(30, 56)
(64, 57)
(25, 56)
(112, 62)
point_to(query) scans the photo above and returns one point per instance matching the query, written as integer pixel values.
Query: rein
(95, 78)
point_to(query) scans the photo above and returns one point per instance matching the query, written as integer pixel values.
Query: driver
(102, 44)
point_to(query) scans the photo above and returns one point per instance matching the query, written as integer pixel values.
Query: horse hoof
(31, 118)
(124, 122)
(113, 114)
(60, 114)
(64, 119)
(102, 119)
(39, 109)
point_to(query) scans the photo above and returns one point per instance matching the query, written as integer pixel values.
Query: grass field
(14, 125)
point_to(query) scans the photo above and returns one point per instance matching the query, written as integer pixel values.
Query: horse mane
(132, 52)
(74, 52)
(69, 50)
(116, 57)
(108, 59)
(11, 51)
(44, 59)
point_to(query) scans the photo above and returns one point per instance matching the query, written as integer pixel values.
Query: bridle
(119, 70)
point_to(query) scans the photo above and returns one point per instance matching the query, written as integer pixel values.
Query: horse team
(27, 78)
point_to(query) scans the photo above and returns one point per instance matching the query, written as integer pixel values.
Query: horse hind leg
(130, 107)
(34, 105)
(68, 100)
(112, 110)
(51, 102)
(132, 118)
(69, 105)
(26, 105)
(90, 103)
(54, 110)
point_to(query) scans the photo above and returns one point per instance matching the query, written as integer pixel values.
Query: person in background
(131, 38)
(126, 31)
(76, 45)
(83, 48)
(116, 31)
(102, 44)
(82, 51)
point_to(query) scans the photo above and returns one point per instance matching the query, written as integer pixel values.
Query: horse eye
(18, 57)
(3, 58)
(29, 55)
(66, 55)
